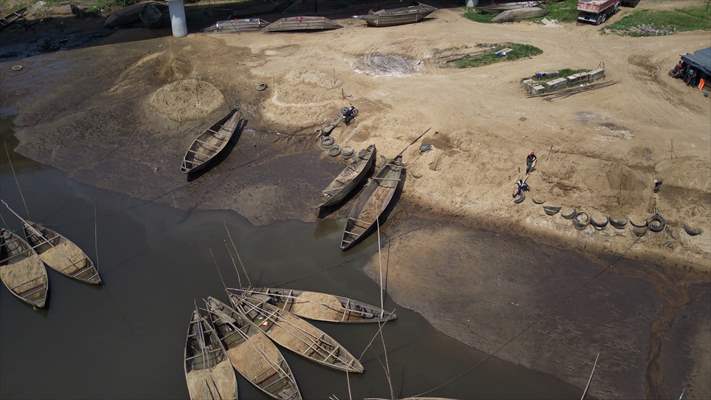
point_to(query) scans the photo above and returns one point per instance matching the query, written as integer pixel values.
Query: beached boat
(60, 253)
(318, 306)
(514, 5)
(210, 143)
(237, 25)
(295, 334)
(397, 16)
(251, 352)
(373, 201)
(208, 372)
(349, 179)
(21, 269)
(291, 24)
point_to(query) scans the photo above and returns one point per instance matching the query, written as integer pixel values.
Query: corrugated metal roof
(700, 59)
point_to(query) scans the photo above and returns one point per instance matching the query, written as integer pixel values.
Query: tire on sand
(551, 210)
(581, 221)
(520, 198)
(656, 223)
(691, 231)
(568, 213)
(618, 223)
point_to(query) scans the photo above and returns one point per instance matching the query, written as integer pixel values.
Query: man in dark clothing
(531, 162)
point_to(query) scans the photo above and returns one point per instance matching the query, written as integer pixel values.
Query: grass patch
(478, 16)
(517, 51)
(652, 23)
(563, 11)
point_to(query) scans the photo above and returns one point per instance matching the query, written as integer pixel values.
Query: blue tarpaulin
(700, 60)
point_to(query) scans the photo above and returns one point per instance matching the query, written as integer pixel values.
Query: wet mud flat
(551, 309)
(125, 338)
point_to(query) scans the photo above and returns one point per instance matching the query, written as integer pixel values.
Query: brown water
(125, 340)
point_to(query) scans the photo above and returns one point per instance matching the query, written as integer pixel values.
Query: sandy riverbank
(93, 113)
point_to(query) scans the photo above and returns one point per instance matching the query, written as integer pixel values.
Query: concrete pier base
(176, 9)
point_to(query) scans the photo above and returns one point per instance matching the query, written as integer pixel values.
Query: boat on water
(373, 201)
(60, 253)
(397, 16)
(21, 270)
(208, 372)
(210, 143)
(252, 353)
(318, 306)
(301, 23)
(352, 176)
(295, 334)
(237, 25)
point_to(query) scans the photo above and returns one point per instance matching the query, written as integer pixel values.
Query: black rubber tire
(537, 201)
(261, 87)
(581, 221)
(599, 224)
(638, 225)
(618, 223)
(327, 141)
(520, 198)
(656, 223)
(334, 150)
(551, 210)
(347, 151)
(639, 231)
(692, 231)
(571, 215)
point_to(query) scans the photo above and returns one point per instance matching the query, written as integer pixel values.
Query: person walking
(531, 162)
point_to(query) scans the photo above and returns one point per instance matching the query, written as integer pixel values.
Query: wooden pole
(244, 270)
(17, 182)
(212, 255)
(413, 142)
(96, 236)
(239, 280)
(585, 392)
(387, 365)
(380, 272)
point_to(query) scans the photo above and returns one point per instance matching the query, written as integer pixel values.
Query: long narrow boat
(210, 143)
(21, 270)
(318, 306)
(295, 334)
(372, 202)
(349, 179)
(60, 253)
(237, 25)
(301, 24)
(251, 353)
(397, 16)
(511, 5)
(208, 372)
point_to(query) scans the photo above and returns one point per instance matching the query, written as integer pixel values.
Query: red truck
(597, 11)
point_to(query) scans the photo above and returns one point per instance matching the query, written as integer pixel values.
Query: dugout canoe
(301, 23)
(373, 201)
(318, 306)
(208, 372)
(352, 176)
(21, 270)
(237, 25)
(500, 7)
(60, 253)
(251, 352)
(397, 16)
(210, 143)
(295, 334)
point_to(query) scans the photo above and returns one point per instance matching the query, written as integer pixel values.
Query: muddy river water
(125, 340)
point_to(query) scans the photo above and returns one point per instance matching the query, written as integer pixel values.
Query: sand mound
(187, 99)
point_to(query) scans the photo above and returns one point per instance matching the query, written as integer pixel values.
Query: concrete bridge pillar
(176, 9)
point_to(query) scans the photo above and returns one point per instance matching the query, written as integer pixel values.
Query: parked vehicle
(597, 11)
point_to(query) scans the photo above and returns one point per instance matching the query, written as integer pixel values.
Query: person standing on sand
(531, 162)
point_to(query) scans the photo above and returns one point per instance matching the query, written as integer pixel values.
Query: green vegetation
(563, 11)
(651, 23)
(478, 16)
(517, 51)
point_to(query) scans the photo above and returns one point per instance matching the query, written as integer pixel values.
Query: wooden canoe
(237, 25)
(295, 334)
(60, 253)
(301, 23)
(251, 352)
(21, 269)
(210, 143)
(349, 179)
(373, 201)
(318, 306)
(208, 372)
(500, 7)
(397, 16)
